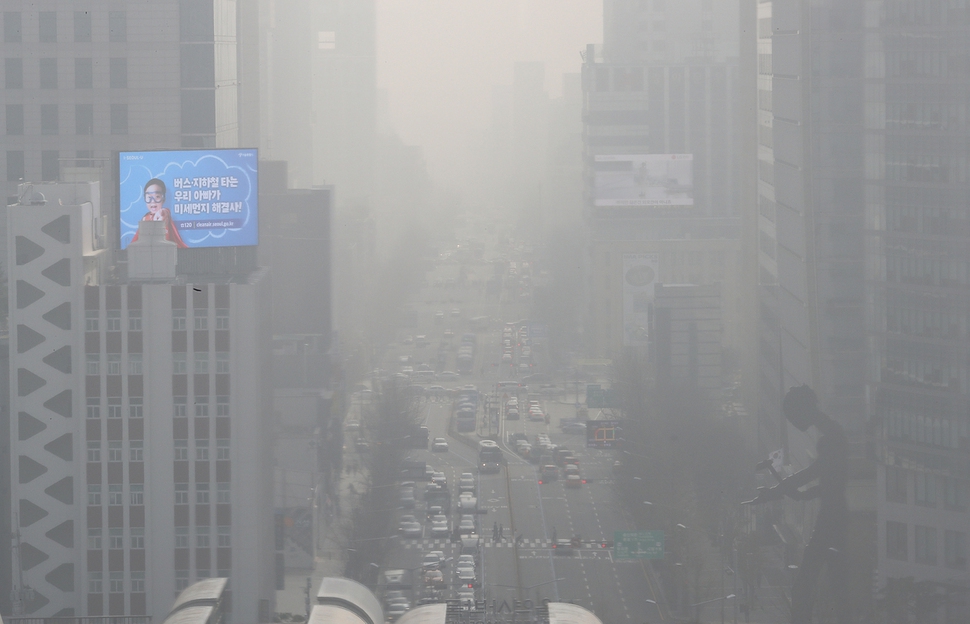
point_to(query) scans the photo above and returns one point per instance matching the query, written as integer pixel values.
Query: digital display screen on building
(643, 180)
(207, 198)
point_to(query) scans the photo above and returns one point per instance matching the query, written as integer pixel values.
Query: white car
(439, 444)
(467, 482)
(448, 376)
(466, 576)
(439, 527)
(466, 524)
(432, 560)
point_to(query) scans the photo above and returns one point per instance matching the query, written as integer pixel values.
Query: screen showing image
(644, 180)
(207, 198)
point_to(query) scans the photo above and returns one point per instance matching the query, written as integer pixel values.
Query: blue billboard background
(210, 197)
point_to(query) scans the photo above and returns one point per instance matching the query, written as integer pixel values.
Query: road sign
(638, 544)
(538, 331)
(599, 397)
(602, 434)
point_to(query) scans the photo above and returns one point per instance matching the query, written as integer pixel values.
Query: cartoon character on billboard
(155, 201)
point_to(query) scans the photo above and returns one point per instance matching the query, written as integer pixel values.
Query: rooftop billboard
(643, 180)
(207, 198)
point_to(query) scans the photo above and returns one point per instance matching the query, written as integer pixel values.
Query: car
(435, 510)
(512, 414)
(439, 445)
(395, 611)
(467, 482)
(439, 316)
(434, 578)
(467, 560)
(407, 497)
(465, 595)
(456, 312)
(362, 446)
(448, 376)
(548, 473)
(574, 428)
(536, 415)
(429, 472)
(570, 468)
(439, 479)
(433, 560)
(352, 427)
(412, 529)
(506, 358)
(395, 578)
(466, 524)
(573, 481)
(439, 526)
(466, 576)
(408, 340)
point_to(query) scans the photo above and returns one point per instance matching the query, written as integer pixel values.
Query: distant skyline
(438, 61)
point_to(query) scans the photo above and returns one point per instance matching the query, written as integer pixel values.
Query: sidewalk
(331, 555)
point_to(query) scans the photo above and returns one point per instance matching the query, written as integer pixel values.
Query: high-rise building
(140, 455)
(917, 151)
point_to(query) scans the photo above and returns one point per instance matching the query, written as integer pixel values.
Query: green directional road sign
(638, 544)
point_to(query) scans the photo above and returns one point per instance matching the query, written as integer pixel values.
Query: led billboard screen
(644, 180)
(640, 271)
(207, 198)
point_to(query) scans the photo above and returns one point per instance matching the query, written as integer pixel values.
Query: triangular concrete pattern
(62, 491)
(62, 446)
(27, 338)
(59, 229)
(59, 272)
(27, 293)
(27, 382)
(28, 426)
(30, 513)
(26, 250)
(63, 534)
(60, 360)
(61, 404)
(29, 469)
(59, 316)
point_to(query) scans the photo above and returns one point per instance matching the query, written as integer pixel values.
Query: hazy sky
(439, 59)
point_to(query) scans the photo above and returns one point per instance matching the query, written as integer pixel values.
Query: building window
(896, 545)
(181, 579)
(181, 450)
(201, 537)
(222, 318)
(112, 322)
(924, 543)
(84, 124)
(116, 538)
(179, 406)
(134, 320)
(201, 363)
(956, 549)
(222, 405)
(119, 119)
(114, 405)
(83, 73)
(202, 409)
(202, 450)
(225, 539)
(202, 493)
(955, 493)
(48, 119)
(12, 27)
(94, 408)
(91, 320)
(137, 538)
(137, 582)
(113, 361)
(134, 363)
(136, 450)
(222, 362)
(201, 318)
(179, 366)
(181, 537)
(114, 451)
(115, 495)
(137, 492)
(48, 73)
(117, 28)
(15, 119)
(50, 165)
(47, 26)
(118, 73)
(92, 364)
(222, 448)
(82, 26)
(181, 493)
(222, 493)
(94, 539)
(94, 494)
(15, 165)
(178, 320)
(94, 583)
(13, 75)
(94, 450)
(895, 484)
(135, 407)
(116, 582)
(925, 489)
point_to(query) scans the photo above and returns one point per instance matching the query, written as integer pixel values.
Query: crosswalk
(442, 544)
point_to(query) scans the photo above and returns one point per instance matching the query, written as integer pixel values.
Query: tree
(908, 601)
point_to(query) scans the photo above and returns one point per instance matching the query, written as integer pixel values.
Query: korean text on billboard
(643, 180)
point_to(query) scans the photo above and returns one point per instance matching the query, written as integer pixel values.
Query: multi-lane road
(523, 565)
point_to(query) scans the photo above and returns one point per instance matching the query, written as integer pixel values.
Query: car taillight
(540, 482)
(584, 480)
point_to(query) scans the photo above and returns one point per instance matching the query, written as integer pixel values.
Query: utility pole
(307, 599)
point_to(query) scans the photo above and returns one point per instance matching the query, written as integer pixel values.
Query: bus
(490, 458)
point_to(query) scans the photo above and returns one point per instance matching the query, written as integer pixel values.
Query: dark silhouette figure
(827, 545)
